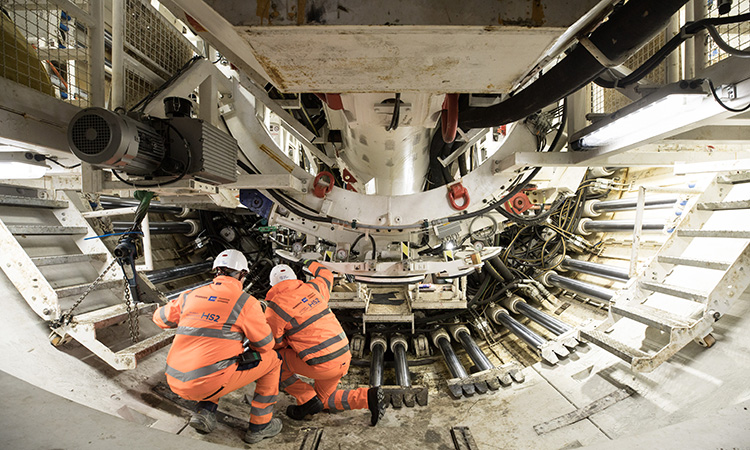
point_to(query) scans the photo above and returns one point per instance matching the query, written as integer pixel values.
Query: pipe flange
(545, 278)
(195, 227)
(557, 262)
(378, 339)
(511, 302)
(399, 339)
(581, 227)
(589, 208)
(184, 213)
(602, 172)
(437, 334)
(494, 311)
(455, 329)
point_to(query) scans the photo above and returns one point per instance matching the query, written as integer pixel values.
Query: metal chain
(68, 316)
(132, 312)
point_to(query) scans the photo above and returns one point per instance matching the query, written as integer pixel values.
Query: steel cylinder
(592, 268)
(187, 227)
(398, 347)
(442, 340)
(624, 204)
(109, 202)
(551, 323)
(175, 273)
(462, 335)
(377, 347)
(171, 295)
(588, 226)
(501, 317)
(579, 287)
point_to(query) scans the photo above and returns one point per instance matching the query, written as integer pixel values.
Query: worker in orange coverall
(312, 343)
(222, 344)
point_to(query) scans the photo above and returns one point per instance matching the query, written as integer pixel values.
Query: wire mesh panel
(136, 88)
(45, 47)
(737, 35)
(606, 101)
(153, 40)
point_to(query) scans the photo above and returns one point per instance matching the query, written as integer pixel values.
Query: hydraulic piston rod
(501, 317)
(398, 347)
(377, 348)
(553, 324)
(588, 226)
(595, 207)
(188, 227)
(109, 202)
(592, 268)
(579, 287)
(462, 335)
(442, 340)
(174, 273)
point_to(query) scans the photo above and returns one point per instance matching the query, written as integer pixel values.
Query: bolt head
(716, 315)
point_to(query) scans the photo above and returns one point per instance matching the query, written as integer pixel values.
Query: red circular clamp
(322, 184)
(518, 204)
(455, 192)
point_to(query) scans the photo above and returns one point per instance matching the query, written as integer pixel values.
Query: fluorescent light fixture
(20, 165)
(658, 115)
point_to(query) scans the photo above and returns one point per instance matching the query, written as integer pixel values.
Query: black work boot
(309, 408)
(376, 404)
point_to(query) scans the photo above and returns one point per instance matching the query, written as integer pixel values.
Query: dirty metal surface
(582, 413)
(163, 390)
(462, 439)
(309, 438)
(347, 59)
(530, 14)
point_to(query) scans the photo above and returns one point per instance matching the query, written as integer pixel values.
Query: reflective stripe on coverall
(311, 341)
(212, 322)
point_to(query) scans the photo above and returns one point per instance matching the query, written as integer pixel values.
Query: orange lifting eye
(323, 184)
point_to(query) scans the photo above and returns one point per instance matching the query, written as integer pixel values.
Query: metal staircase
(662, 297)
(46, 255)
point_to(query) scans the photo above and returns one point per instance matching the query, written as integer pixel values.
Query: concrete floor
(696, 400)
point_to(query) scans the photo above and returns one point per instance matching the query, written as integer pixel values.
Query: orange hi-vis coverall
(311, 341)
(212, 322)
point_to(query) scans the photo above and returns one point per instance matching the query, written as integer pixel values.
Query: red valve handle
(455, 192)
(320, 189)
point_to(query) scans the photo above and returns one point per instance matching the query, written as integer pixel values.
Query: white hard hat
(231, 259)
(282, 272)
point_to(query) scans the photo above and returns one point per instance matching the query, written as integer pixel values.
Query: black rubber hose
(626, 30)
(498, 264)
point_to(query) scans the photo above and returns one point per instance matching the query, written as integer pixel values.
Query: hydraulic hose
(626, 30)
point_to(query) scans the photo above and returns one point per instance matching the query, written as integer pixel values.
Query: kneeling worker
(208, 359)
(312, 343)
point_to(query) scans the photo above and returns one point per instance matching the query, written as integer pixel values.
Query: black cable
(148, 98)
(718, 100)
(688, 30)
(396, 113)
(47, 158)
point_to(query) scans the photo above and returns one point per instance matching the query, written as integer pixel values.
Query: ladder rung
(736, 234)
(674, 291)
(111, 315)
(653, 317)
(10, 200)
(41, 230)
(617, 348)
(720, 206)
(78, 289)
(702, 263)
(149, 345)
(68, 259)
